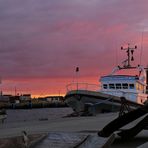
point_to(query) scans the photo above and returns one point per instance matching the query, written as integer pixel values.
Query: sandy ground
(70, 124)
(17, 142)
(67, 124)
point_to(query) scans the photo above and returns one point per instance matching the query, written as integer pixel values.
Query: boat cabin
(124, 85)
(119, 82)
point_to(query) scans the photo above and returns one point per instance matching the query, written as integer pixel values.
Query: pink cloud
(48, 40)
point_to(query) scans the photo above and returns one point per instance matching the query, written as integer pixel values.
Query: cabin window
(137, 86)
(141, 87)
(105, 86)
(111, 86)
(125, 86)
(131, 86)
(118, 86)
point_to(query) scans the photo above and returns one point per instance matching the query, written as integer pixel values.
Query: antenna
(116, 55)
(130, 52)
(141, 47)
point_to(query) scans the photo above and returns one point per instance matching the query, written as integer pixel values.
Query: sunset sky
(43, 41)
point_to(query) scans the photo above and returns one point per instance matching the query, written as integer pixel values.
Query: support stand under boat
(124, 107)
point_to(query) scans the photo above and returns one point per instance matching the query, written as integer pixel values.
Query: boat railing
(82, 86)
(123, 92)
(130, 95)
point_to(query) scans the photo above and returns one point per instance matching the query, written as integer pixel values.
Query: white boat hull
(94, 102)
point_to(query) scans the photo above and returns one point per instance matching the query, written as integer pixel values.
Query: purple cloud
(49, 38)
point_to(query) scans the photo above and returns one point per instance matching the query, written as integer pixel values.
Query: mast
(126, 63)
(130, 51)
(146, 80)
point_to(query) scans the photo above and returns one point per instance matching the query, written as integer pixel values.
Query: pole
(77, 70)
(15, 91)
(130, 52)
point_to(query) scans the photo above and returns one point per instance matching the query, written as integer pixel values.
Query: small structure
(14, 99)
(54, 99)
(5, 98)
(25, 97)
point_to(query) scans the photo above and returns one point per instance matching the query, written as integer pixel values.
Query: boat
(116, 89)
(3, 115)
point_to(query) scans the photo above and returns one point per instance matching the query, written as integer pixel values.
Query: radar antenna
(130, 52)
(127, 62)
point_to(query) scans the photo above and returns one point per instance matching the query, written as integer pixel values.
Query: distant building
(54, 99)
(5, 98)
(14, 99)
(42, 99)
(25, 97)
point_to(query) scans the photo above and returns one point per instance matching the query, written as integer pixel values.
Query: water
(20, 115)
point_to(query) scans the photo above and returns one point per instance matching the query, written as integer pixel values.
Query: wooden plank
(94, 141)
(61, 140)
(132, 132)
(75, 140)
(123, 120)
(145, 145)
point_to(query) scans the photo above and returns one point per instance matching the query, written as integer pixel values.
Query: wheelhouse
(123, 83)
